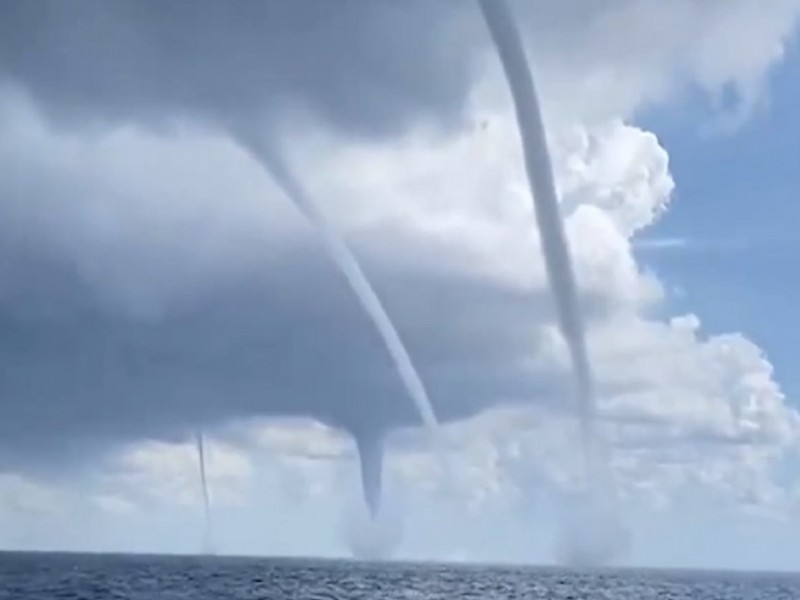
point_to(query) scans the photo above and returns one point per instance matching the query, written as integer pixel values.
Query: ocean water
(114, 577)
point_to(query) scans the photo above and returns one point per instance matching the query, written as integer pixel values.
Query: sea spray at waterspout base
(374, 536)
(589, 544)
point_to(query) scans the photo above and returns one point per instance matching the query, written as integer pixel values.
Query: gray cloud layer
(77, 374)
(370, 67)
(76, 370)
(90, 355)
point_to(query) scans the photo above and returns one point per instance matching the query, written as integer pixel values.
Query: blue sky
(736, 205)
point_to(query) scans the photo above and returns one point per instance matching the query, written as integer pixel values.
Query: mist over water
(591, 532)
(374, 535)
(587, 541)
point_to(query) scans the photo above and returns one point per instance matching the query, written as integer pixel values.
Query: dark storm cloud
(367, 66)
(278, 332)
(281, 334)
(77, 376)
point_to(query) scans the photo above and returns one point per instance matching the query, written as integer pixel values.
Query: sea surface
(115, 577)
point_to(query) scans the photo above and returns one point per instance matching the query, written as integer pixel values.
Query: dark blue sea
(115, 577)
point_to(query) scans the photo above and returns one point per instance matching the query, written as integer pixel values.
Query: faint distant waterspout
(208, 540)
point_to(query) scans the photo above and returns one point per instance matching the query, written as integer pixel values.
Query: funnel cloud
(370, 454)
(560, 272)
(368, 442)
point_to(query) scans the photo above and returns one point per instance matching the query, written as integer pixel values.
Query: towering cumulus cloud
(554, 246)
